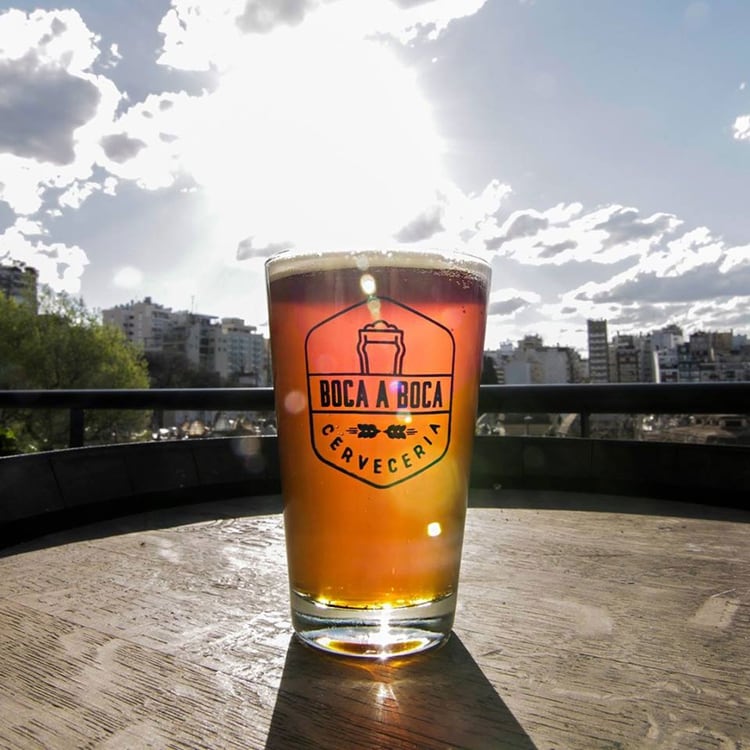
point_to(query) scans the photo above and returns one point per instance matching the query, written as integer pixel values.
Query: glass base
(373, 633)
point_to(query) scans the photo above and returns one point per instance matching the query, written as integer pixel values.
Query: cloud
(550, 251)
(52, 107)
(252, 247)
(81, 190)
(641, 272)
(362, 164)
(41, 106)
(566, 233)
(524, 224)
(668, 282)
(623, 225)
(506, 306)
(60, 266)
(529, 223)
(702, 283)
(422, 227)
(151, 142)
(741, 128)
(315, 133)
(201, 36)
(121, 147)
(128, 277)
(507, 302)
(422, 19)
(261, 16)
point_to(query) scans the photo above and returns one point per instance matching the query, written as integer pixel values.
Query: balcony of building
(547, 439)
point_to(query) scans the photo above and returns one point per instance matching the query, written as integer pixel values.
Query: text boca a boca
(386, 394)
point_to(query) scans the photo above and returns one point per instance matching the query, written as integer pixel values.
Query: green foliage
(8, 442)
(175, 370)
(65, 346)
(489, 373)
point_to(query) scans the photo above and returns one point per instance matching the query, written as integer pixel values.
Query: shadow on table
(439, 699)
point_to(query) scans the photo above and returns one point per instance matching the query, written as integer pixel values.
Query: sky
(596, 153)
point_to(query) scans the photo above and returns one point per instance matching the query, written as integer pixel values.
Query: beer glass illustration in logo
(381, 348)
(376, 360)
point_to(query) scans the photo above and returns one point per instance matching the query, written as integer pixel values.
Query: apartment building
(19, 282)
(227, 346)
(598, 345)
(533, 362)
(144, 323)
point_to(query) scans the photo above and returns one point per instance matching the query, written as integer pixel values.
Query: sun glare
(317, 141)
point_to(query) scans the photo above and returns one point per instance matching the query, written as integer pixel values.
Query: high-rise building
(533, 362)
(143, 323)
(229, 347)
(240, 351)
(19, 282)
(598, 351)
(628, 359)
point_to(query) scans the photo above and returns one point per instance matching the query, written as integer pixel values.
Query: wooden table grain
(583, 622)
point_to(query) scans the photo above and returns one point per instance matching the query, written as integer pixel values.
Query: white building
(532, 362)
(229, 347)
(143, 323)
(240, 351)
(19, 282)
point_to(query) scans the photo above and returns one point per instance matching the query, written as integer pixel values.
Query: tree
(489, 373)
(172, 369)
(65, 346)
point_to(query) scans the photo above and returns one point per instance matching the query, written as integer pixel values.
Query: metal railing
(581, 399)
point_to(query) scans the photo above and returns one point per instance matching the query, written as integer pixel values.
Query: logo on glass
(380, 385)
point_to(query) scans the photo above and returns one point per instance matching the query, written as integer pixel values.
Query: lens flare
(367, 284)
(295, 402)
(373, 305)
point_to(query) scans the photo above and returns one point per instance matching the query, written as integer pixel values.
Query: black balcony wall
(44, 491)
(699, 473)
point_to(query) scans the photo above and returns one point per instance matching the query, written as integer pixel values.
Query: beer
(376, 362)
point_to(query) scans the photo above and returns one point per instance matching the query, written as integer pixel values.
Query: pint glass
(376, 359)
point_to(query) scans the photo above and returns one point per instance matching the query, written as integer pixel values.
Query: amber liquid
(351, 544)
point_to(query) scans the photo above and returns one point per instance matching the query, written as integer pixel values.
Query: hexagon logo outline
(381, 414)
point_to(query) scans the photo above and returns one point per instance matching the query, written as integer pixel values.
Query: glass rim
(301, 260)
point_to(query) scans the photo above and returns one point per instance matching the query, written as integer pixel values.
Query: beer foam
(296, 262)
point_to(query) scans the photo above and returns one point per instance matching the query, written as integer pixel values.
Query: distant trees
(64, 345)
(489, 373)
(169, 369)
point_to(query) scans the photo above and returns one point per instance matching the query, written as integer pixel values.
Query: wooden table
(583, 622)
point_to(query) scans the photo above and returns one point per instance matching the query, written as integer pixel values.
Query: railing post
(585, 424)
(75, 437)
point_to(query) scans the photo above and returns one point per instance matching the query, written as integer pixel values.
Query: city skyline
(596, 155)
(610, 337)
